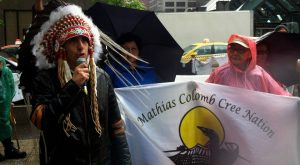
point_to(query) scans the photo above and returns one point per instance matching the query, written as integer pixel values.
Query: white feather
(42, 62)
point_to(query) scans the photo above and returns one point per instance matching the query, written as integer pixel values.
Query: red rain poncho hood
(252, 46)
(253, 77)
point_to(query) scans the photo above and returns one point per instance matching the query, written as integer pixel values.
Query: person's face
(262, 55)
(132, 48)
(239, 56)
(282, 30)
(76, 47)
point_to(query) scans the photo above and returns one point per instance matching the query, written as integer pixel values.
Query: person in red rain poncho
(241, 70)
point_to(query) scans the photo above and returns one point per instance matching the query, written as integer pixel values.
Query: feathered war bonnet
(64, 23)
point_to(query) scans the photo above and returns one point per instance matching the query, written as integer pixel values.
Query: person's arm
(38, 6)
(120, 149)
(211, 78)
(11, 84)
(51, 102)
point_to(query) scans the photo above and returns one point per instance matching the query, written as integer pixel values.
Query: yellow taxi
(203, 50)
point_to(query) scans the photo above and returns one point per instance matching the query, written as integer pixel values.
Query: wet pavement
(28, 138)
(30, 146)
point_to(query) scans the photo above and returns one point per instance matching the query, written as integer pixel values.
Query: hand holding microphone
(81, 73)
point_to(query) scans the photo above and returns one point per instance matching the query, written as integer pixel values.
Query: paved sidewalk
(28, 139)
(30, 146)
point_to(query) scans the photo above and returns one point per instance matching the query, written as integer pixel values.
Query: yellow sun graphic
(197, 117)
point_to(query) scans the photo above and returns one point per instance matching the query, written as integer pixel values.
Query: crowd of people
(82, 126)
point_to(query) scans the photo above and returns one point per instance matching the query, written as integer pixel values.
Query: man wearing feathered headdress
(73, 100)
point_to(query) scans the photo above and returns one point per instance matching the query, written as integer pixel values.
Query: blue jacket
(142, 74)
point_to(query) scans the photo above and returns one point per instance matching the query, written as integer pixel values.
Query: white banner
(199, 123)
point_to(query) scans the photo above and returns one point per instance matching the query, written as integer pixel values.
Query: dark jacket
(81, 144)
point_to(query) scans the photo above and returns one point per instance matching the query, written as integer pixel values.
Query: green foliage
(134, 4)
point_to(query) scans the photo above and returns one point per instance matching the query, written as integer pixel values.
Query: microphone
(79, 61)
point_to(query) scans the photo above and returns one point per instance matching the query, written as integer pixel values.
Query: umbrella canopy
(158, 46)
(284, 51)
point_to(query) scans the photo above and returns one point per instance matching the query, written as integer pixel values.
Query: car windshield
(187, 49)
(204, 50)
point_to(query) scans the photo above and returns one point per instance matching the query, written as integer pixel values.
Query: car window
(203, 50)
(220, 49)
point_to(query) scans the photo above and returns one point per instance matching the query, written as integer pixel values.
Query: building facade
(17, 16)
(175, 5)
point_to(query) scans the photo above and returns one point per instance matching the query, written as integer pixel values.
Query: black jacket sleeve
(55, 101)
(120, 154)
